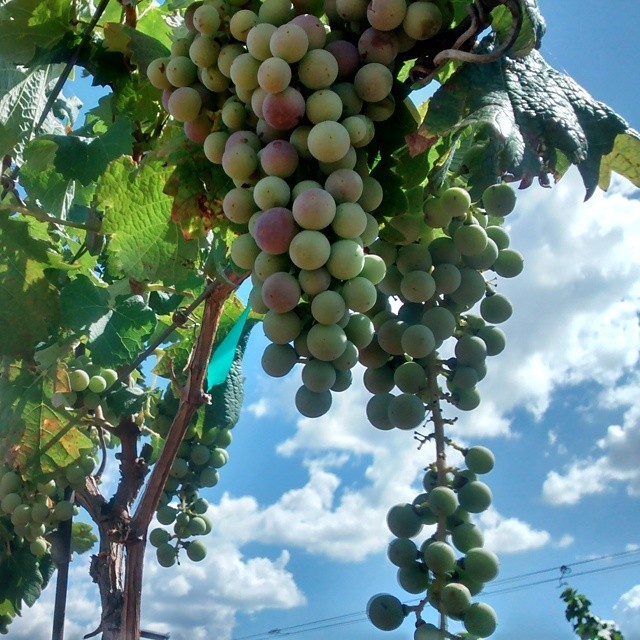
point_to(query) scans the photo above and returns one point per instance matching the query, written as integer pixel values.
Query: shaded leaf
(139, 47)
(82, 537)
(531, 33)
(83, 302)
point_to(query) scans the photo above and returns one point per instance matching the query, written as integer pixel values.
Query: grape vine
(276, 141)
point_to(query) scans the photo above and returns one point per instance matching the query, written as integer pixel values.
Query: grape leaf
(83, 302)
(144, 243)
(139, 47)
(532, 30)
(623, 159)
(38, 437)
(118, 336)
(536, 117)
(29, 304)
(82, 537)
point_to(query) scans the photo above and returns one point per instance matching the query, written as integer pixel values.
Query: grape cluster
(433, 567)
(34, 511)
(87, 384)
(196, 466)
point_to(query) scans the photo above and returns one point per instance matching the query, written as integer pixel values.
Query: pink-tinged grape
(414, 578)
(346, 186)
(276, 12)
(385, 612)
(278, 359)
(439, 557)
(157, 73)
(422, 20)
(258, 40)
(406, 411)
(404, 521)
(499, 200)
(314, 209)
(281, 292)
(214, 79)
(314, 281)
(274, 230)
(509, 263)
(323, 105)
(318, 376)
(373, 82)
(312, 404)
(386, 15)
(352, 10)
(346, 55)
(289, 42)
(284, 110)
(185, 104)
(309, 249)
(281, 328)
(181, 72)
(244, 137)
(267, 133)
(378, 46)
(350, 221)
(214, 146)
(318, 69)
(274, 75)
(417, 286)
(239, 161)
(378, 410)
(279, 158)
(206, 20)
(198, 129)
(204, 51)
(480, 620)
(496, 308)
(271, 192)
(244, 251)
(267, 263)
(418, 341)
(328, 307)
(328, 141)
(313, 27)
(402, 552)
(326, 341)
(241, 23)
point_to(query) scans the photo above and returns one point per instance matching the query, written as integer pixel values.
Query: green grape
(276, 12)
(159, 536)
(494, 339)
(378, 411)
(485, 259)
(422, 20)
(466, 536)
(199, 454)
(318, 376)
(470, 239)
(214, 80)
(348, 359)
(63, 511)
(157, 75)
(197, 526)
(417, 286)
(385, 612)
(479, 459)
(499, 236)
(464, 377)
(181, 72)
(314, 209)
(318, 69)
(447, 278)
(322, 105)
(386, 15)
(312, 404)
(281, 328)
(328, 141)
(326, 342)
(274, 75)
(209, 477)
(346, 259)
(166, 555)
(309, 250)
(480, 620)
(475, 497)
(10, 502)
(456, 201)
(244, 251)
(258, 40)
(509, 263)
(244, 72)
(390, 336)
(219, 457)
(442, 501)
(414, 578)
(374, 268)
(442, 249)
(238, 205)
(436, 215)
(496, 308)
(110, 376)
(224, 438)
(359, 128)
(241, 23)
(439, 557)
(456, 598)
(359, 330)
(469, 350)
(75, 475)
(499, 200)
(404, 521)
(441, 322)
(346, 186)
(39, 547)
(359, 294)
(344, 379)
(21, 515)
(328, 307)
(204, 52)
(352, 10)
(314, 281)
(289, 42)
(472, 288)
(481, 564)
(410, 377)
(465, 399)
(402, 552)
(370, 234)
(239, 161)
(213, 146)
(78, 380)
(278, 360)
(10, 483)
(372, 194)
(428, 631)
(97, 384)
(373, 82)
(270, 192)
(40, 512)
(206, 20)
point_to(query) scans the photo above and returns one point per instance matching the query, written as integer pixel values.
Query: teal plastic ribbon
(222, 357)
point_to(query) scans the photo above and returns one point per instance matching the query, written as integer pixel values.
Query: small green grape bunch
(88, 383)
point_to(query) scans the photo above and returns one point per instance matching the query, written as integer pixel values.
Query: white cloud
(510, 535)
(627, 611)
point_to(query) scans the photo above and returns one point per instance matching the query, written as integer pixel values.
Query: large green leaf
(144, 243)
(29, 304)
(83, 302)
(623, 159)
(139, 47)
(537, 120)
(532, 30)
(37, 437)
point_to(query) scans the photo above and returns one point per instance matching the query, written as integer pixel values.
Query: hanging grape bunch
(291, 105)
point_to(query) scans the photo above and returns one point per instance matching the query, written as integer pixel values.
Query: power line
(359, 616)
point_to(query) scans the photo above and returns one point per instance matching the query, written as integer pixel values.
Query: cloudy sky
(299, 536)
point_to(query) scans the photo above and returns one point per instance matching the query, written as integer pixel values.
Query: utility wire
(360, 616)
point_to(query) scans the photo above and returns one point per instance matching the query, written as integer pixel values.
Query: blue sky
(299, 534)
